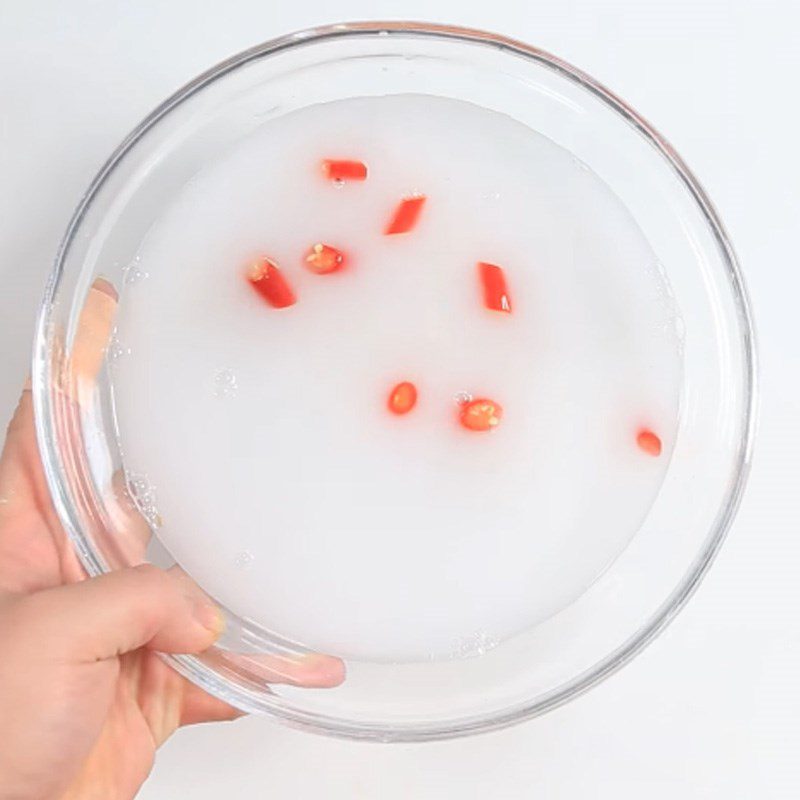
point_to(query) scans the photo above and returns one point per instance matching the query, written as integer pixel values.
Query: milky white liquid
(285, 486)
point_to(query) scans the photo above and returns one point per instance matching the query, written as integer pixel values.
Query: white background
(712, 709)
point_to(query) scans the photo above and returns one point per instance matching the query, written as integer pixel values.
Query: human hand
(84, 699)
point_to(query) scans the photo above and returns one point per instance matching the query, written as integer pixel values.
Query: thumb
(107, 616)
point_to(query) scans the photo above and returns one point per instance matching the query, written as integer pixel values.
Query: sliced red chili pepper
(323, 259)
(495, 290)
(648, 442)
(267, 279)
(405, 215)
(481, 414)
(403, 398)
(344, 170)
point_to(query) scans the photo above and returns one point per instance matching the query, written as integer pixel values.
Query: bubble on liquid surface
(664, 284)
(143, 494)
(138, 484)
(474, 645)
(135, 275)
(462, 398)
(243, 559)
(116, 349)
(225, 384)
(133, 272)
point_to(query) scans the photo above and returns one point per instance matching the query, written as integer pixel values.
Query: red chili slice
(495, 290)
(649, 442)
(405, 215)
(335, 170)
(324, 259)
(402, 398)
(480, 415)
(267, 279)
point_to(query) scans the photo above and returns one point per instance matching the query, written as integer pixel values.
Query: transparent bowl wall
(647, 584)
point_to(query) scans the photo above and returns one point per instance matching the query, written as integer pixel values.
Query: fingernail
(209, 616)
(324, 670)
(106, 287)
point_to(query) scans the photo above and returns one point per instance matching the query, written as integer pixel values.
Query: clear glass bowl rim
(194, 669)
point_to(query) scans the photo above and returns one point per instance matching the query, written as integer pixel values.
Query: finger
(199, 706)
(91, 341)
(95, 325)
(20, 441)
(291, 667)
(120, 612)
(31, 557)
(166, 699)
(24, 496)
(22, 420)
(132, 532)
(20, 466)
(311, 670)
(20, 453)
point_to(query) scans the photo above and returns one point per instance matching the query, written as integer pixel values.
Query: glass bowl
(634, 599)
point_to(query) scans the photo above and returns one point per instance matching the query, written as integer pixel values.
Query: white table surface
(712, 709)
